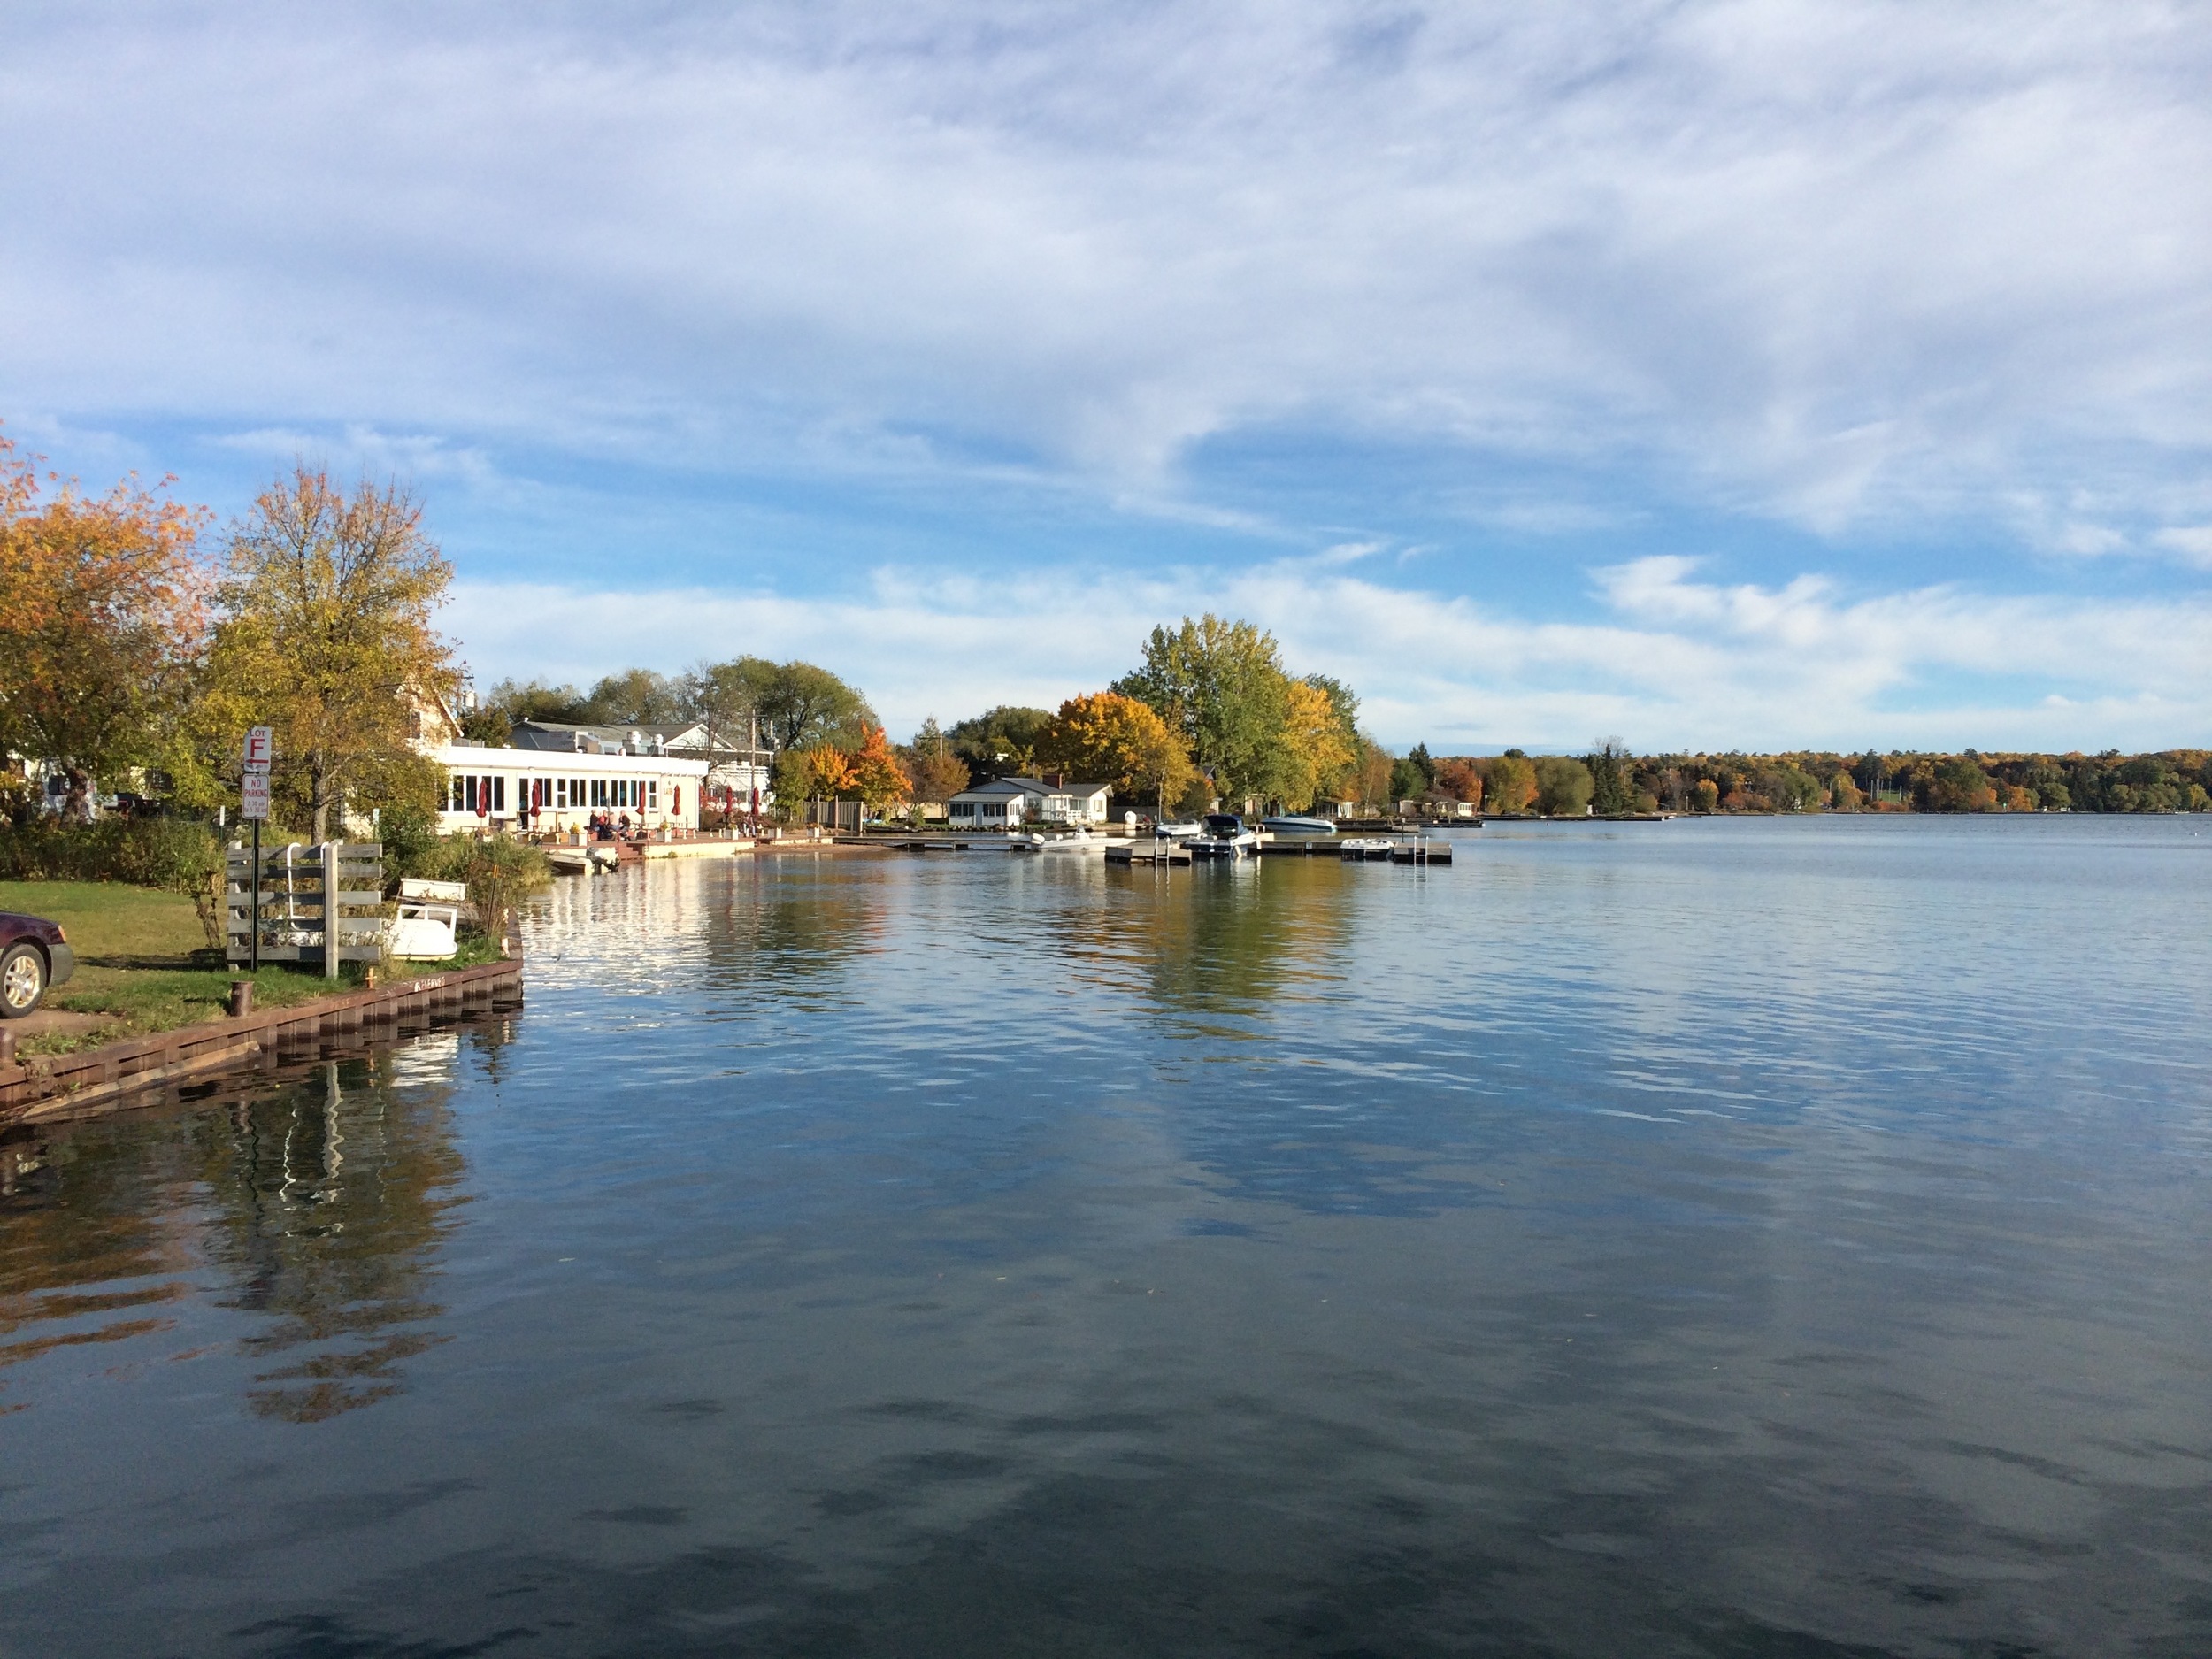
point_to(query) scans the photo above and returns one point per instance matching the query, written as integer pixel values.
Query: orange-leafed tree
(1107, 738)
(102, 625)
(877, 777)
(1458, 779)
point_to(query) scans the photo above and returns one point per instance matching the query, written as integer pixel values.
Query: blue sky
(1749, 375)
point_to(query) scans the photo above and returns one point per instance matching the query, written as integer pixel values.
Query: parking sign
(256, 799)
(259, 747)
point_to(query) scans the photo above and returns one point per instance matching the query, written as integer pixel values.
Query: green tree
(1608, 781)
(1955, 783)
(635, 696)
(1510, 782)
(1002, 743)
(1221, 685)
(324, 632)
(1409, 780)
(1562, 786)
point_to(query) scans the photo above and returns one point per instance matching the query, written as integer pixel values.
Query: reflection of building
(1006, 800)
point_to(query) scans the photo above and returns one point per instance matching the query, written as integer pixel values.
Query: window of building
(652, 795)
(499, 794)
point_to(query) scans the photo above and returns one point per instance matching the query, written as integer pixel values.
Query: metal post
(257, 896)
(330, 910)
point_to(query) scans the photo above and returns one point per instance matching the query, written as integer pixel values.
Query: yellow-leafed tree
(323, 633)
(1318, 747)
(1116, 741)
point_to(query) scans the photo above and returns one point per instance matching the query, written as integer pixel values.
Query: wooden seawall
(41, 1089)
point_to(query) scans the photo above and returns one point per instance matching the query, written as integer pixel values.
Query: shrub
(499, 871)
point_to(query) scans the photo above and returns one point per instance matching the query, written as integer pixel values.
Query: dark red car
(34, 954)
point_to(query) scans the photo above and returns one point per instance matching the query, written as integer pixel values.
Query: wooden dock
(142, 1071)
(1421, 852)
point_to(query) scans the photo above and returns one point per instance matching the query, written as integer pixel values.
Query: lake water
(1762, 1238)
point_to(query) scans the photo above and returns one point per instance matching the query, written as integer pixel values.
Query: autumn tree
(101, 625)
(937, 772)
(1458, 779)
(877, 777)
(1370, 773)
(324, 632)
(1510, 782)
(1107, 738)
(1316, 746)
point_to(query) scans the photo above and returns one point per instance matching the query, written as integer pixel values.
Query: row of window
(486, 794)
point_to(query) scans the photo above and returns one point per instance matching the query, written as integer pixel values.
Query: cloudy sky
(1752, 374)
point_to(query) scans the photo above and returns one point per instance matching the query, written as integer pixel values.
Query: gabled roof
(1005, 788)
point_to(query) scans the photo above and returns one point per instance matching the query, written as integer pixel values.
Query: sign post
(254, 807)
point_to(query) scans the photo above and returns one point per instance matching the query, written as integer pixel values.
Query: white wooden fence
(318, 904)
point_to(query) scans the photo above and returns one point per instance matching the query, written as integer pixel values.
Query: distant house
(1005, 802)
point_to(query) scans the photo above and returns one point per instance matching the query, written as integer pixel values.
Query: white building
(742, 773)
(1005, 802)
(540, 789)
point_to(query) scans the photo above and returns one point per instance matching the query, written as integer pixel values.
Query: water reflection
(321, 1207)
(1218, 946)
(329, 1208)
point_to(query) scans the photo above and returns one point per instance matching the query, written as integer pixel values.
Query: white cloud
(1681, 662)
(1825, 262)
(2193, 542)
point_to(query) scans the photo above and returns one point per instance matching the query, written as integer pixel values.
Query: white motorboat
(1079, 841)
(588, 860)
(1293, 828)
(1178, 831)
(1378, 847)
(1224, 836)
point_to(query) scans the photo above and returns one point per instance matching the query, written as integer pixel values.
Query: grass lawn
(144, 965)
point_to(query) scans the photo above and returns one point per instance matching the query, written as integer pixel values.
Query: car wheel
(22, 980)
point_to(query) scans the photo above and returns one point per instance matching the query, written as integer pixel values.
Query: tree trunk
(77, 805)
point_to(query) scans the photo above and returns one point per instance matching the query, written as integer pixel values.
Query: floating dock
(1146, 853)
(1396, 852)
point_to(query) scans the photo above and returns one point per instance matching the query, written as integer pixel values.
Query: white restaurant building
(534, 789)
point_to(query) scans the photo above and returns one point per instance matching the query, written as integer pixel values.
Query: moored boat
(1224, 836)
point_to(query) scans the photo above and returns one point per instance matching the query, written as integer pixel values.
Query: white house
(1005, 802)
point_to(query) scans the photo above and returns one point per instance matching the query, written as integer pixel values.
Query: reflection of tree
(330, 1207)
(791, 927)
(74, 1216)
(325, 1203)
(1232, 939)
